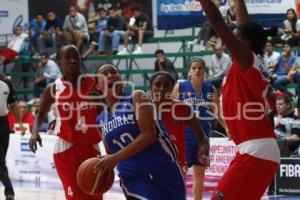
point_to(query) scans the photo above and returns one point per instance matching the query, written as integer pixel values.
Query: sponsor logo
(25, 146)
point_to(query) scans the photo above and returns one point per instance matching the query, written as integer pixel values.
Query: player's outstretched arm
(242, 16)
(46, 102)
(236, 47)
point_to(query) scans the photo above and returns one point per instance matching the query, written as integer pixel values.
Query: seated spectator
(272, 95)
(75, 28)
(285, 62)
(164, 64)
(294, 77)
(48, 72)
(27, 119)
(53, 34)
(291, 29)
(220, 63)
(140, 27)
(101, 23)
(287, 126)
(271, 56)
(231, 15)
(206, 32)
(37, 28)
(14, 46)
(114, 30)
(35, 105)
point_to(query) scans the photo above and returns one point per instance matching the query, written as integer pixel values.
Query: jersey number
(69, 191)
(81, 125)
(123, 140)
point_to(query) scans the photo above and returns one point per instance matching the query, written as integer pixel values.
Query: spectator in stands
(164, 64)
(294, 76)
(14, 46)
(27, 119)
(48, 72)
(206, 32)
(35, 105)
(291, 29)
(287, 126)
(102, 21)
(140, 27)
(53, 34)
(272, 95)
(285, 62)
(271, 56)
(231, 15)
(37, 28)
(75, 28)
(114, 30)
(220, 63)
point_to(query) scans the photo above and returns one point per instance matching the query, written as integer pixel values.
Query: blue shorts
(191, 150)
(162, 185)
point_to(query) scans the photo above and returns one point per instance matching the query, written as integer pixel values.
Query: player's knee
(218, 196)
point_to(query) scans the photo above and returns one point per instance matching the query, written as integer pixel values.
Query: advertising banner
(12, 13)
(222, 152)
(287, 177)
(177, 14)
(24, 165)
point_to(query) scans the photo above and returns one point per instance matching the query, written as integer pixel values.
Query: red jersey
(176, 129)
(76, 112)
(244, 101)
(27, 122)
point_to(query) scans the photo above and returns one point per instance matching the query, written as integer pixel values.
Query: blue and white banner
(177, 14)
(24, 165)
(13, 13)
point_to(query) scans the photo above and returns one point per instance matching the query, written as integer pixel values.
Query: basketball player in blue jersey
(136, 143)
(202, 96)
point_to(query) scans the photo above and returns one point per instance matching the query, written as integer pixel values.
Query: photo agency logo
(90, 101)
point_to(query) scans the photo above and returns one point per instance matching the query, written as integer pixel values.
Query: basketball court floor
(45, 191)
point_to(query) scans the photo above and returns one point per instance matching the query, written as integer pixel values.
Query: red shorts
(67, 163)
(8, 54)
(246, 178)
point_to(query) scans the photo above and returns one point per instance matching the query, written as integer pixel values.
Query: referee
(7, 99)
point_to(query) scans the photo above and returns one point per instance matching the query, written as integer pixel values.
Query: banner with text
(177, 14)
(287, 177)
(222, 152)
(24, 165)
(13, 13)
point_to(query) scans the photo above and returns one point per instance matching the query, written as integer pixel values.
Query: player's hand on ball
(106, 165)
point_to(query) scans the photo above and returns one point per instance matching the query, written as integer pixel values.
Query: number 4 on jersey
(81, 125)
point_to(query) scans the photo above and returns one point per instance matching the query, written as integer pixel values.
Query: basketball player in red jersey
(245, 107)
(77, 139)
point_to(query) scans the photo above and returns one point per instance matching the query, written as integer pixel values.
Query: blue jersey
(120, 128)
(201, 103)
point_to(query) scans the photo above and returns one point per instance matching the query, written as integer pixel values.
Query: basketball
(90, 182)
